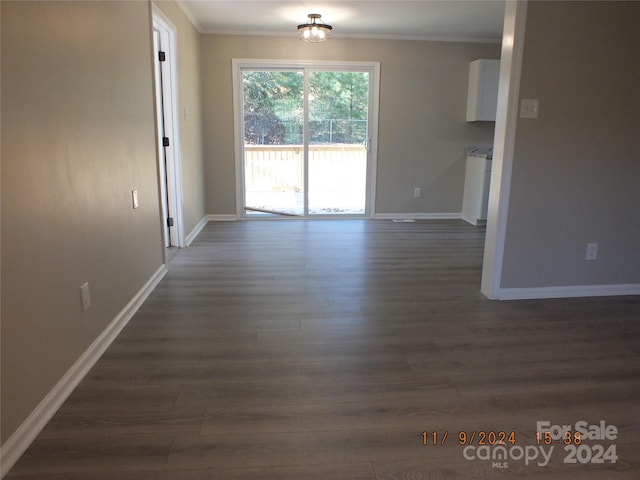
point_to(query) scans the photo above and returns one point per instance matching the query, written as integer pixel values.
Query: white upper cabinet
(482, 97)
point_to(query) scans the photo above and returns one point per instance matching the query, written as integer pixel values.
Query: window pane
(273, 136)
(338, 114)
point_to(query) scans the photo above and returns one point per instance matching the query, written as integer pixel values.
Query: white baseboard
(569, 291)
(418, 216)
(376, 216)
(16, 445)
(188, 240)
(213, 217)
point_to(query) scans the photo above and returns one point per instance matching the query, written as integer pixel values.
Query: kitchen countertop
(480, 151)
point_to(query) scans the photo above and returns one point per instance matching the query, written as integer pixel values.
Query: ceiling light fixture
(314, 30)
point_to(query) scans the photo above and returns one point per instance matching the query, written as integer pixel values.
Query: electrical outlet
(592, 251)
(417, 192)
(85, 295)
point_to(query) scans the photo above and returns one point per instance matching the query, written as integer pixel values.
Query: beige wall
(576, 170)
(190, 126)
(422, 129)
(77, 136)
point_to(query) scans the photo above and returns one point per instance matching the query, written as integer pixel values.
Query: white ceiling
(475, 20)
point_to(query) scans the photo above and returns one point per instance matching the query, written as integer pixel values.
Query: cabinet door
(485, 190)
(476, 190)
(482, 96)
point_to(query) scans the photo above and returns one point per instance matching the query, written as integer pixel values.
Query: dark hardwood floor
(324, 349)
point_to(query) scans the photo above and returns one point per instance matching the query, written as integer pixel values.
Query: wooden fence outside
(280, 167)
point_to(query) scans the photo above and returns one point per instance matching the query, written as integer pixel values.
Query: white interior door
(165, 68)
(162, 150)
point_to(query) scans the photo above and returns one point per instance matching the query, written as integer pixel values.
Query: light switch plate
(592, 251)
(134, 198)
(529, 108)
(85, 295)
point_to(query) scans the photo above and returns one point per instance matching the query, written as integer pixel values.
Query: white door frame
(504, 144)
(373, 68)
(173, 172)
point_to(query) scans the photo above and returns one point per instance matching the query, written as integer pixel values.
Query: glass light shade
(314, 30)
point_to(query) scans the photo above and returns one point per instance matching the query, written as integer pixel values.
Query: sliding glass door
(273, 142)
(337, 142)
(304, 135)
